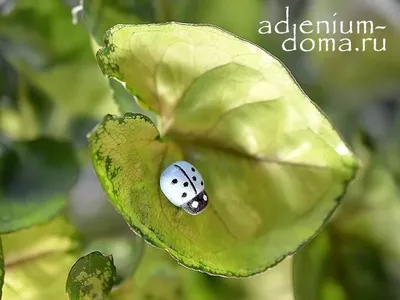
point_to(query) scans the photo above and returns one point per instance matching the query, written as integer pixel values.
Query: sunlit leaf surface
(273, 165)
(37, 261)
(293, 175)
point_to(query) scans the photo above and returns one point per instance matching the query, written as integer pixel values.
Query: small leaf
(127, 252)
(37, 260)
(274, 167)
(91, 277)
(36, 177)
(1, 268)
(157, 276)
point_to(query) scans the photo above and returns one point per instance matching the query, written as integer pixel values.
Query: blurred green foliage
(36, 177)
(51, 88)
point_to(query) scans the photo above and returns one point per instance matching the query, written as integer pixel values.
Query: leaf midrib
(204, 142)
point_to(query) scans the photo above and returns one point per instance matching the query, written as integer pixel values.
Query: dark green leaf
(36, 177)
(127, 253)
(91, 277)
(156, 278)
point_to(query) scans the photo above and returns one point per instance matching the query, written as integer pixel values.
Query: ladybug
(183, 186)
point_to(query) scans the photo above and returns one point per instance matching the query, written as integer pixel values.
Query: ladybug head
(197, 204)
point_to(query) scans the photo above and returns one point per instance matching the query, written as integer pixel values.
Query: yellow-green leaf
(37, 261)
(273, 165)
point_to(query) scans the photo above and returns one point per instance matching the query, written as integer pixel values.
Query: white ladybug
(183, 185)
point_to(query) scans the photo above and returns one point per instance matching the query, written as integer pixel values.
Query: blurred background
(52, 93)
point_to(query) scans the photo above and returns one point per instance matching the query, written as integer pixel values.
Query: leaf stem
(163, 10)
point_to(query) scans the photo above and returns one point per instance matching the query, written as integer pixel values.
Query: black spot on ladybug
(186, 184)
(202, 183)
(193, 169)
(175, 181)
(194, 178)
(184, 195)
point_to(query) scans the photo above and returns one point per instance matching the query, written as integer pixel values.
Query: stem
(163, 10)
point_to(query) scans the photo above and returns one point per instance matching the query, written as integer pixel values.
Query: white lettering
(265, 29)
(305, 23)
(326, 26)
(383, 45)
(327, 42)
(345, 46)
(302, 47)
(364, 25)
(286, 22)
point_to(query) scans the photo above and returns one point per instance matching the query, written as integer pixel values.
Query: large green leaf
(1, 267)
(91, 277)
(35, 179)
(37, 261)
(273, 165)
